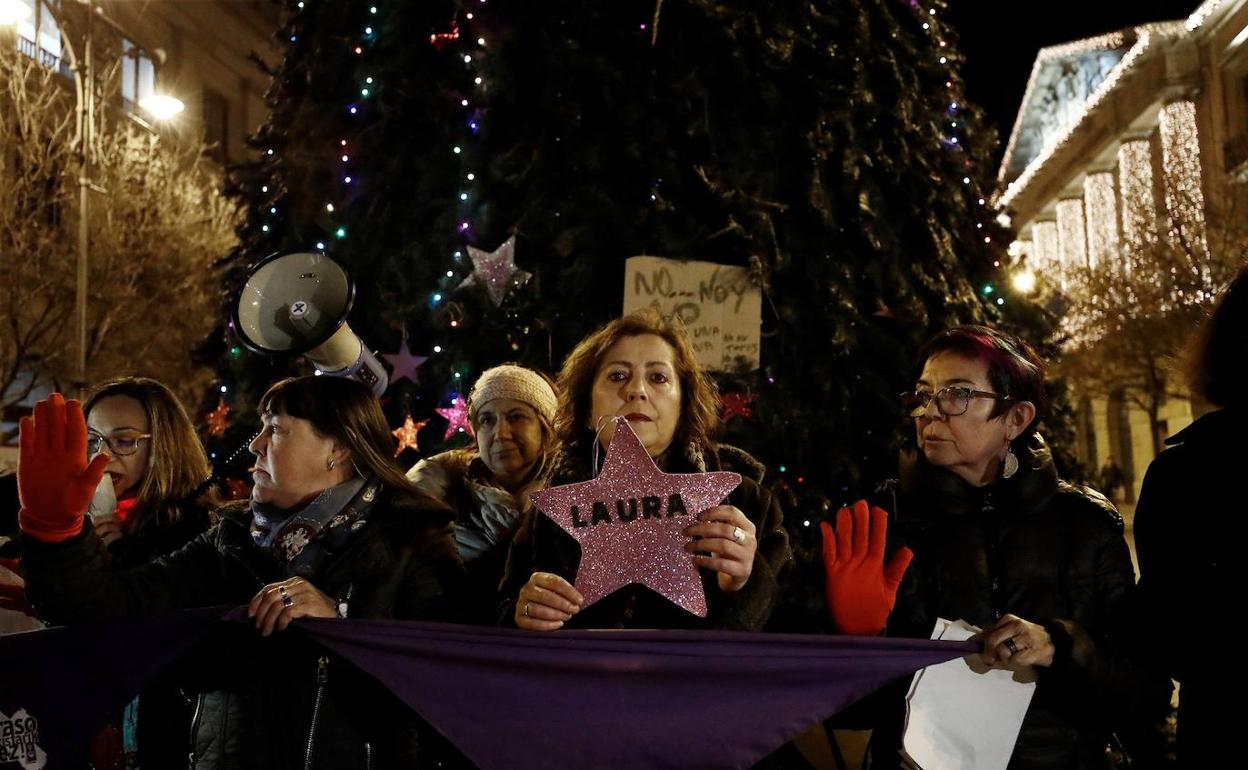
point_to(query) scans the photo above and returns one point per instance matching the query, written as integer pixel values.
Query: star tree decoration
(218, 419)
(737, 405)
(406, 434)
(495, 271)
(404, 363)
(456, 416)
(630, 523)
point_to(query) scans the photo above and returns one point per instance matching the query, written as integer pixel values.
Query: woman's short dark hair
(348, 412)
(1015, 369)
(1219, 368)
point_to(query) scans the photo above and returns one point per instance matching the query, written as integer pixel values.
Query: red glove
(861, 591)
(54, 479)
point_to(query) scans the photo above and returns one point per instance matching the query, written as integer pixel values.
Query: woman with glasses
(1001, 542)
(156, 469)
(333, 529)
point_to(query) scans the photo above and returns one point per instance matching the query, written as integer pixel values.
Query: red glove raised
(54, 479)
(861, 591)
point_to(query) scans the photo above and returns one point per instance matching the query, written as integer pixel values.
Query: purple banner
(508, 699)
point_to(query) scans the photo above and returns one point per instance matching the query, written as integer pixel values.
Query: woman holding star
(641, 369)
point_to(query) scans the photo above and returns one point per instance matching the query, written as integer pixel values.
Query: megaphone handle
(366, 369)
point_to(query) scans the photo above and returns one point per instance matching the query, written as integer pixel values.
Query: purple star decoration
(495, 271)
(629, 523)
(404, 364)
(456, 416)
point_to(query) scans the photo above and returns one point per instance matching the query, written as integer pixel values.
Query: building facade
(198, 52)
(1134, 135)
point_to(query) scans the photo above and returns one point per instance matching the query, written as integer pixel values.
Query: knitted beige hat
(517, 383)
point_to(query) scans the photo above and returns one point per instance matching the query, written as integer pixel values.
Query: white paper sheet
(961, 715)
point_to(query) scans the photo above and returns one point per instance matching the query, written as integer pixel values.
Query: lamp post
(161, 107)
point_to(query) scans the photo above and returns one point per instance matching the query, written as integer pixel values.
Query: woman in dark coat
(1001, 542)
(333, 529)
(1189, 529)
(512, 411)
(642, 368)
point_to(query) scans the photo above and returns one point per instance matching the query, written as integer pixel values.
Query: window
(216, 125)
(138, 74)
(39, 36)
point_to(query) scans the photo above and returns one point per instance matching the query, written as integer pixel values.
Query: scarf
(301, 542)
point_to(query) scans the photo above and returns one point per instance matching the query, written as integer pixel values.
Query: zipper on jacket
(195, 717)
(322, 675)
(368, 756)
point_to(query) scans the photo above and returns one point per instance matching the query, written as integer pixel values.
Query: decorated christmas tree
(484, 169)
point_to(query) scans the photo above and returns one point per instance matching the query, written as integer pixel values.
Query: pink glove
(861, 591)
(54, 479)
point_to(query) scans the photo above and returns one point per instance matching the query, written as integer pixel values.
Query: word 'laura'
(629, 510)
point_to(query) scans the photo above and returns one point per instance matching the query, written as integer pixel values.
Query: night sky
(1001, 39)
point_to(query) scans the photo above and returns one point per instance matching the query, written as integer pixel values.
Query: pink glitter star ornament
(456, 416)
(495, 271)
(404, 364)
(630, 520)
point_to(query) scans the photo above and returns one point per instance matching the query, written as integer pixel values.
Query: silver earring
(332, 464)
(1009, 465)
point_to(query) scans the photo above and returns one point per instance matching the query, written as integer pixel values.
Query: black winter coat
(269, 703)
(1189, 529)
(162, 532)
(542, 546)
(1043, 550)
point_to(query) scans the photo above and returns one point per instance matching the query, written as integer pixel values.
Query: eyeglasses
(951, 401)
(121, 445)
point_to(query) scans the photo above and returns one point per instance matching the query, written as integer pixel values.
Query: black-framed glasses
(121, 445)
(951, 401)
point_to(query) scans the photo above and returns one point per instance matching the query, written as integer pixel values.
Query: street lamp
(1024, 281)
(160, 107)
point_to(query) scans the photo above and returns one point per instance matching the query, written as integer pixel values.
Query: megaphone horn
(298, 303)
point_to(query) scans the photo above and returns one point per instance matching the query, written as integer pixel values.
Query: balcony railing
(45, 57)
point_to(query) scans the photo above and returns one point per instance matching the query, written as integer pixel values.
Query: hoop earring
(332, 463)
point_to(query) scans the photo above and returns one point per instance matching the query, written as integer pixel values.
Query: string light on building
(1072, 233)
(1182, 179)
(1100, 201)
(1135, 182)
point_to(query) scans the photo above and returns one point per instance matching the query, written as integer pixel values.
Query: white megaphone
(298, 303)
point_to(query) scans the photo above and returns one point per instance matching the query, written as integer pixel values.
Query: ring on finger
(287, 601)
(738, 535)
(1011, 646)
(525, 611)
(282, 590)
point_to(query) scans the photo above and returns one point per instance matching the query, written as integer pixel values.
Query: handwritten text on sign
(719, 304)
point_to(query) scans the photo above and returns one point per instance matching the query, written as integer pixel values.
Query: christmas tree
(823, 145)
